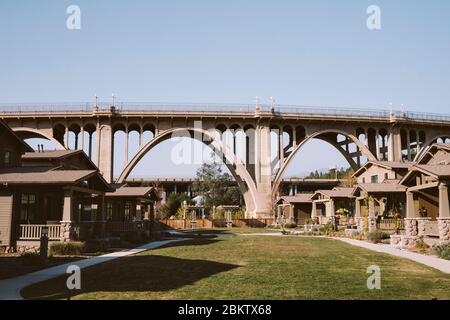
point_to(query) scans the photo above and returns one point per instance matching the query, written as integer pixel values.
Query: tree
(173, 203)
(215, 186)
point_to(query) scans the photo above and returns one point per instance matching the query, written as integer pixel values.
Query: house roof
(433, 149)
(53, 154)
(47, 177)
(337, 193)
(24, 145)
(439, 171)
(46, 156)
(131, 192)
(299, 198)
(386, 187)
(392, 165)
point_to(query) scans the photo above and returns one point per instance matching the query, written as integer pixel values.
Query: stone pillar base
(68, 232)
(444, 229)
(372, 223)
(411, 227)
(359, 221)
(421, 226)
(401, 241)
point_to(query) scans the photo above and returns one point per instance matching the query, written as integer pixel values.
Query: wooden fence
(214, 223)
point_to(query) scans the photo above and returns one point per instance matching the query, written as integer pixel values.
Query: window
(374, 179)
(7, 158)
(109, 211)
(386, 176)
(27, 208)
(364, 180)
(127, 211)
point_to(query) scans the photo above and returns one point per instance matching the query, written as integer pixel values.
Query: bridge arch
(29, 133)
(363, 149)
(236, 167)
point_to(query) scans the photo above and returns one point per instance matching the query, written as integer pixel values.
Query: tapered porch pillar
(444, 213)
(410, 220)
(67, 232)
(372, 218)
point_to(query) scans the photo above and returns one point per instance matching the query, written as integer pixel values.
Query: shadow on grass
(140, 273)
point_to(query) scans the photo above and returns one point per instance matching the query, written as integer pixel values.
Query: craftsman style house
(327, 204)
(427, 195)
(379, 196)
(63, 192)
(296, 209)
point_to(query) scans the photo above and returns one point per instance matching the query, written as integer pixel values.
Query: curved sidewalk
(430, 261)
(10, 288)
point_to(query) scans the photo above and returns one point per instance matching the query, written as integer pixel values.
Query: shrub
(67, 248)
(443, 251)
(326, 228)
(32, 259)
(376, 236)
(290, 225)
(96, 245)
(420, 244)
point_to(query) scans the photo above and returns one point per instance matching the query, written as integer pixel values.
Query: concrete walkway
(430, 261)
(10, 288)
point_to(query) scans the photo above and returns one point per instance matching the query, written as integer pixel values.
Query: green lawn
(252, 267)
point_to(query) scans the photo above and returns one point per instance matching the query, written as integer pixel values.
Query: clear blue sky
(308, 53)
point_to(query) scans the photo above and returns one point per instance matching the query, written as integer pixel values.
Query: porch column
(444, 206)
(291, 212)
(67, 232)
(410, 221)
(314, 211)
(444, 214)
(359, 220)
(139, 212)
(372, 219)
(278, 213)
(102, 216)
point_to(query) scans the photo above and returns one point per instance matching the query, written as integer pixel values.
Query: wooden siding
(6, 203)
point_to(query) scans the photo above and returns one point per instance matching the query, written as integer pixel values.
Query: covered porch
(382, 205)
(328, 206)
(69, 204)
(427, 202)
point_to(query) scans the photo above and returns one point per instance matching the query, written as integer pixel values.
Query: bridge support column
(263, 172)
(105, 149)
(394, 145)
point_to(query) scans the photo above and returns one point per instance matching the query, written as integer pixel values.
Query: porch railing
(34, 231)
(389, 224)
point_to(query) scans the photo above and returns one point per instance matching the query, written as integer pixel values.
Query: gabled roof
(299, 198)
(436, 171)
(42, 156)
(336, 193)
(24, 146)
(53, 177)
(390, 165)
(51, 154)
(385, 187)
(47, 177)
(131, 192)
(432, 150)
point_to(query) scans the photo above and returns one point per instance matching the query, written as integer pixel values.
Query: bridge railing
(209, 108)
